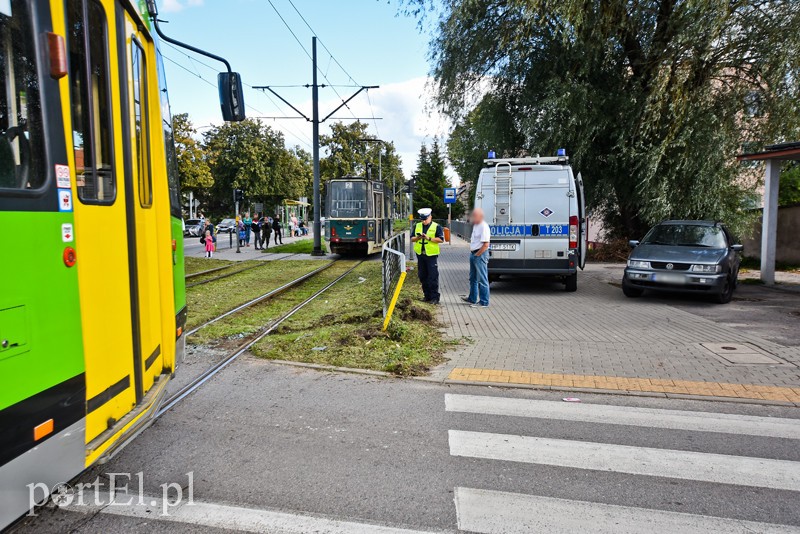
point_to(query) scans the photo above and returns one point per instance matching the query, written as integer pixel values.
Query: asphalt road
(347, 453)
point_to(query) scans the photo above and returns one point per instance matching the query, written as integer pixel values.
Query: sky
(372, 42)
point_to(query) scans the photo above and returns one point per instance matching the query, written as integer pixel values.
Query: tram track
(225, 275)
(225, 361)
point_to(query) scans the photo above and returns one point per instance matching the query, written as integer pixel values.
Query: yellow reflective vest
(431, 249)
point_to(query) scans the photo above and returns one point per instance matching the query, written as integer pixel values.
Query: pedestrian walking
(256, 230)
(479, 261)
(248, 223)
(276, 227)
(426, 237)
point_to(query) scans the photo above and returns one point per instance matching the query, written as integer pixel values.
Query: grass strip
(197, 265)
(209, 300)
(343, 329)
(303, 246)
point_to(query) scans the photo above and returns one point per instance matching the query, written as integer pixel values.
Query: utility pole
(317, 204)
(316, 121)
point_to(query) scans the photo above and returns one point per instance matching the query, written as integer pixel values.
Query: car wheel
(631, 292)
(571, 283)
(725, 296)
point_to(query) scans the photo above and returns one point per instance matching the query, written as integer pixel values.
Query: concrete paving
(226, 249)
(534, 326)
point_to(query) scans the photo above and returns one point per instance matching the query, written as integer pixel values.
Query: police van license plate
(499, 247)
(553, 230)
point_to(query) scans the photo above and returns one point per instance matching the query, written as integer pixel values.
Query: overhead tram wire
(258, 111)
(335, 60)
(324, 76)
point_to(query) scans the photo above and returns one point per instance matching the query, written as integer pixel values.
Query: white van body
(536, 210)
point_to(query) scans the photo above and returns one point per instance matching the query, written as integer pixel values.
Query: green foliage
(790, 185)
(431, 181)
(253, 157)
(492, 125)
(652, 99)
(193, 169)
(349, 154)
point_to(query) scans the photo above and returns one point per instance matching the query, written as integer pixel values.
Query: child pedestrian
(209, 244)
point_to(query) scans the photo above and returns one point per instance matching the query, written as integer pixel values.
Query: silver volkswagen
(684, 256)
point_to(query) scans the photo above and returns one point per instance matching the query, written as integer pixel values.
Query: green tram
(357, 220)
(93, 302)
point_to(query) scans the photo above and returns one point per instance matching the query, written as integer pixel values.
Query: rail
(393, 258)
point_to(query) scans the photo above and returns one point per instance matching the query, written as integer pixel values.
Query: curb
(446, 381)
(627, 393)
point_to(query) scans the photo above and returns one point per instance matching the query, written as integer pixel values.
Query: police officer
(427, 236)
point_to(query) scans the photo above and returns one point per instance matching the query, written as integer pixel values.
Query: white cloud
(173, 6)
(408, 120)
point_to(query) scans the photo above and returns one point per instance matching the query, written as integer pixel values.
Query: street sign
(450, 195)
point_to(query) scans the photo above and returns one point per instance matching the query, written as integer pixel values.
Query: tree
(492, 125)
(253, 157)
(350, 155)
(194, 172)
(652, 99)
(431, 180)
(789, 194)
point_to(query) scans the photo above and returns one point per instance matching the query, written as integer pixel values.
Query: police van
(536, 210)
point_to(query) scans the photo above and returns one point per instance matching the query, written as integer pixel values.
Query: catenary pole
(317, 203)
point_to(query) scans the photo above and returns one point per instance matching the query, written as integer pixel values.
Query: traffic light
(238, 195)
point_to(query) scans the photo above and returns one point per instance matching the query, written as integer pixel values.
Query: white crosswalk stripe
(487, 511)
(496, 512)
(687, 465)
(624, 415)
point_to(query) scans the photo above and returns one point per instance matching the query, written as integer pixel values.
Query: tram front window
(348, 200)
(22, 164)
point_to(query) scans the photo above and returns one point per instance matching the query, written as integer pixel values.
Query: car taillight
(573, 231)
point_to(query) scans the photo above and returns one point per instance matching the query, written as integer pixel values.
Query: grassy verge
(196, 265)
(343, 328)
(303, 246)
(209, 300)
(231, 331)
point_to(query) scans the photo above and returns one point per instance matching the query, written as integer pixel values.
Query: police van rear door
(547, 206)
(583, 229)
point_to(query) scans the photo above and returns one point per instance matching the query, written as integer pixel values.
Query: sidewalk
(193, 248)
(536, 334)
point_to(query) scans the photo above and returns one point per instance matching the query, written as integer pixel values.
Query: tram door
(137, 74)
(100, 213)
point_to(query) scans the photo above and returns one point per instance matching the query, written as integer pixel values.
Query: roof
(781, 151)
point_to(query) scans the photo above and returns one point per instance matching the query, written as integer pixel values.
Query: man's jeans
(479, 279)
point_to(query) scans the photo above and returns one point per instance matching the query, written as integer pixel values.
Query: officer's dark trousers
(429, 276)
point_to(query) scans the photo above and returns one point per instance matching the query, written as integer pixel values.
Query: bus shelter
(775, 157)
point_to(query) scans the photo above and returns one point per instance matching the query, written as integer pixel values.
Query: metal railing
(394, 274)
(462, 229)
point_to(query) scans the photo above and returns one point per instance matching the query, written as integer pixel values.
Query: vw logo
(670, 266)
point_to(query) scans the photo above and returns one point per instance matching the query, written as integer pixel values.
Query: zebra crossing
(487, 511)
